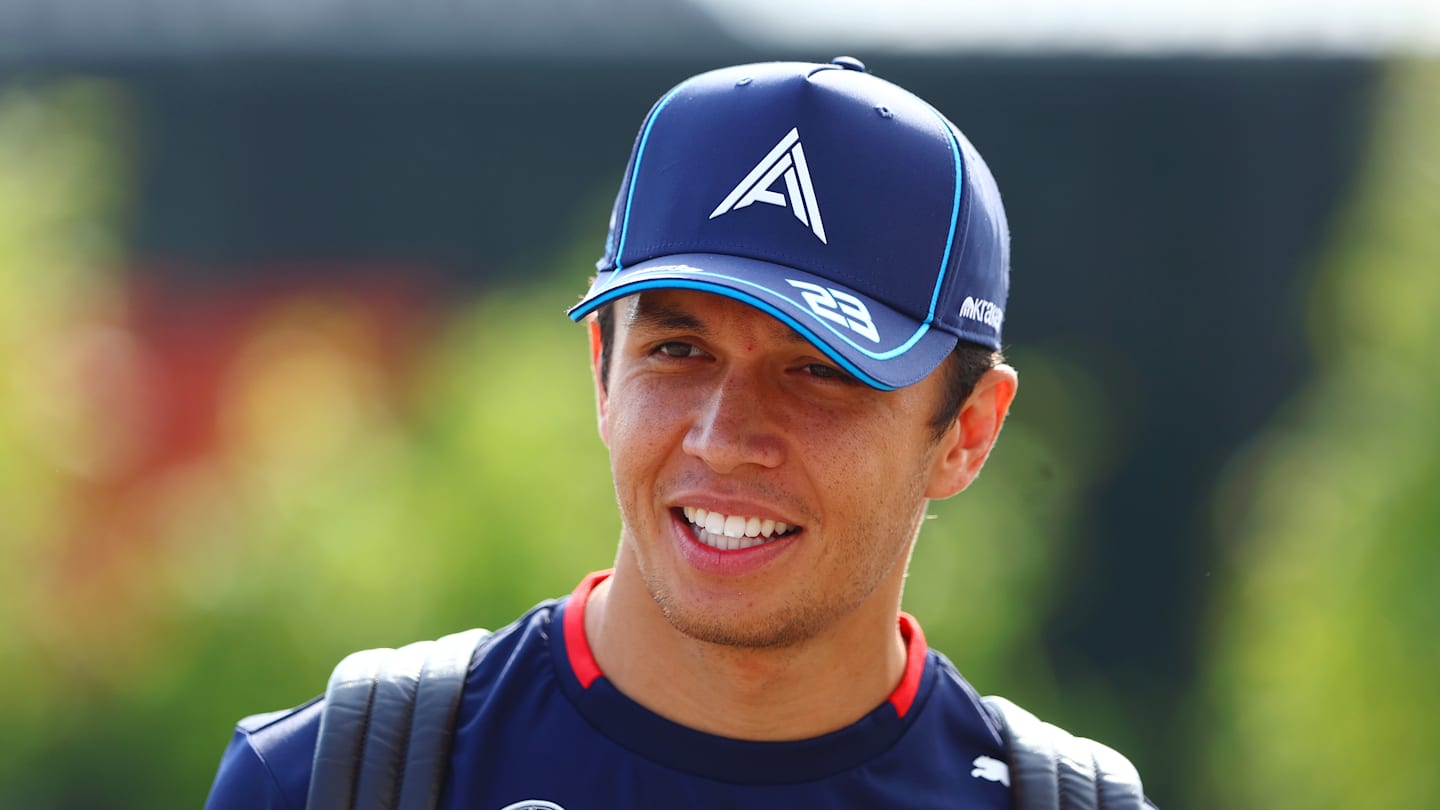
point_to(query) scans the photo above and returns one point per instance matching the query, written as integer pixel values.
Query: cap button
(849, 63)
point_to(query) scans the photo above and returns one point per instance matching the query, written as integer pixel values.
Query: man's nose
(735, 425)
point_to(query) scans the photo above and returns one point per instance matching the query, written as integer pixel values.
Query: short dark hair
(963, 368)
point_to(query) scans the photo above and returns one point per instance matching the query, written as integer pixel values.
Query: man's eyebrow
(652, 315)
(659, 317)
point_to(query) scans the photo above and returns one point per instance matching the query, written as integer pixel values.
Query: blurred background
(284, 369)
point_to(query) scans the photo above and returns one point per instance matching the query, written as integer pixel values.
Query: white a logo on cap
(787, 159)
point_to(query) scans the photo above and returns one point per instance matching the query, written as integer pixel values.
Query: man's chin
(767, 632)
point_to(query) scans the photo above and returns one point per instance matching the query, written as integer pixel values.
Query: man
(794, 337)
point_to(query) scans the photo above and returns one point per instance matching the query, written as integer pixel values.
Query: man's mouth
(734, 532)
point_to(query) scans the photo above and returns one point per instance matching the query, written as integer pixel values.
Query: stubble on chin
(779, 628)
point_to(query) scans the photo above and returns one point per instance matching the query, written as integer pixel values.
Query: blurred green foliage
(332, 514)
(1327, 643)
(58, 304)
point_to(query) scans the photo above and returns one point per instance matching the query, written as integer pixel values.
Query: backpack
(384, 739)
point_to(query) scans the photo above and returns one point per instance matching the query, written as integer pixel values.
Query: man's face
(812, 484)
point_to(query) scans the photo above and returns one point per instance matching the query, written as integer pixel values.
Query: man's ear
(597, 357)
(972, 435)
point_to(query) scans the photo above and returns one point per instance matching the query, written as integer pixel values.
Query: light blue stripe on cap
(739, 295)
(635, 173)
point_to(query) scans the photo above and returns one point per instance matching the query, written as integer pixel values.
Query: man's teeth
(733, 531)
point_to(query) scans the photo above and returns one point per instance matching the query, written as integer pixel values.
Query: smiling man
(794, 335)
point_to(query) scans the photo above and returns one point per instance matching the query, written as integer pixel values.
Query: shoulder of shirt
(256, 723)
(949, 678)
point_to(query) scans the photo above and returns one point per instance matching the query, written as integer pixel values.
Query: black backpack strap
(385, 730)
(1051, 769)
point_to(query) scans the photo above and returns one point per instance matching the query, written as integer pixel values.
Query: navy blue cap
(835, 201)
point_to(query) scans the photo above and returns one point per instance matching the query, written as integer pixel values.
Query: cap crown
(886, 200)
(839, 203)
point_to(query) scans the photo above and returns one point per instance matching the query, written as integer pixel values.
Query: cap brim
(879, 346)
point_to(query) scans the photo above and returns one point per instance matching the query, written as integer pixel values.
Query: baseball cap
(839, 203)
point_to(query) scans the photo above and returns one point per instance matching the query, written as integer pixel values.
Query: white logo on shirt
(988, 768)
(786, 159)
(533, 804)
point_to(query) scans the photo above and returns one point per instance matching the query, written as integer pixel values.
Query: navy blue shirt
(539, 722)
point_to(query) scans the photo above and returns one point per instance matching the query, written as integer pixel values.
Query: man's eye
(678, 349)
(825, 372)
